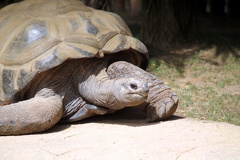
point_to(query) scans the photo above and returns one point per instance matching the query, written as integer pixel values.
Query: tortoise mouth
(142, 94)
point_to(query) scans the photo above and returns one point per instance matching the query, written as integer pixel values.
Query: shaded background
(180, 26)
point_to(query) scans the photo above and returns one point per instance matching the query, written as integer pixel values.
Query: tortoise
(61, 61)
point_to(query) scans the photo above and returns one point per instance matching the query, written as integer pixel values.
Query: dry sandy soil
(125, 135)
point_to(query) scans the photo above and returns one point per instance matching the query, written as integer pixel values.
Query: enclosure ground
(125, 135)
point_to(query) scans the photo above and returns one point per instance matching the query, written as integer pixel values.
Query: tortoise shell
(37, 35)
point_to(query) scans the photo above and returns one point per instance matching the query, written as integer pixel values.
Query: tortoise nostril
(134, 86)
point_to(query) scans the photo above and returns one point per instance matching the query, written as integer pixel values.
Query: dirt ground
(125, 135)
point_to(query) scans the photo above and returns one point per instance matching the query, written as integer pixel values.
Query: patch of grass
(161, 69)
(205, 90)
(208, 104)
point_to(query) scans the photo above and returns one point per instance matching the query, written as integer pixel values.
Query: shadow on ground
(129, 116)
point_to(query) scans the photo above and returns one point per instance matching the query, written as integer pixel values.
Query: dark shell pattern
(37, 35)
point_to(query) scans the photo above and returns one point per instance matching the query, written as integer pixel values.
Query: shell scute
(49, 61)
(24, 77)
(30, 40)
(91, 28)
(8, 81)
(32, 33)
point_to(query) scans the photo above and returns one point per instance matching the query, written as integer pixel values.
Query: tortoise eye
(134, 86)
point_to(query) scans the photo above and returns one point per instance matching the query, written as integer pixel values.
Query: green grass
(206, 90)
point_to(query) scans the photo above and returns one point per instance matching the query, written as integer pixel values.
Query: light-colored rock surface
(125, 136)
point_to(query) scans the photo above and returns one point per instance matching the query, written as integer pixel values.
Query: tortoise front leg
(75, 108)
(161, 103)
(34, 115)
(78, 109)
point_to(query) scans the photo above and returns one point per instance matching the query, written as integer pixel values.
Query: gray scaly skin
(75, 90)
(161, 103)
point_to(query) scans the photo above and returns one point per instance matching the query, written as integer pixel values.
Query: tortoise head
(130, 92)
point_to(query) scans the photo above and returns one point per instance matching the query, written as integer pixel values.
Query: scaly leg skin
(83, 111)
(34, 115)
(75, 108)
(161, 103)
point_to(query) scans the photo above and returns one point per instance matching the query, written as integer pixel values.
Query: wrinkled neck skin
(96, 89)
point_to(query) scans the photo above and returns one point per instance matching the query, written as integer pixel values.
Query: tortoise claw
(162, 109)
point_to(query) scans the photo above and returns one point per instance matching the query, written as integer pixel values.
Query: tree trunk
(119, 5)
(105, 5)
(136, 7)
(167, 23)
